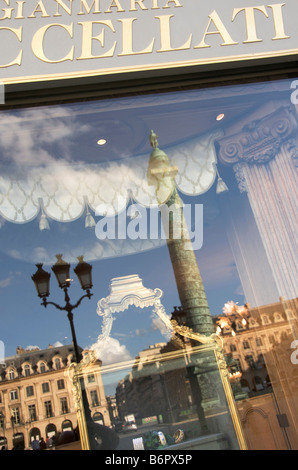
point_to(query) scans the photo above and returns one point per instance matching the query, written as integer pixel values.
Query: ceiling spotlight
(101, 142)
(220, 117)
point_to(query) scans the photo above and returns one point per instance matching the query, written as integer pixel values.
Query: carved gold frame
(214, 343)
(208, 343)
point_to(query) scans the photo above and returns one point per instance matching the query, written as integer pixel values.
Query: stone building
(36, 395)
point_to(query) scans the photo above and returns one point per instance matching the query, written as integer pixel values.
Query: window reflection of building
(260, 351)
(264, 380)
(29, 401)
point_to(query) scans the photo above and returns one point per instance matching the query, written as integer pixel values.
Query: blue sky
(25, 322)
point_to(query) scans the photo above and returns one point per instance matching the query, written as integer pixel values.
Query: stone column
(202, 370)
(187, 274)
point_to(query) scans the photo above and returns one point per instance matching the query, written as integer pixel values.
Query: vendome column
(203, 372)
(188, 278)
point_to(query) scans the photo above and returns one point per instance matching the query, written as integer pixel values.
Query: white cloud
(111, 351)
(25, 135)
(5, 282)
(159, 324)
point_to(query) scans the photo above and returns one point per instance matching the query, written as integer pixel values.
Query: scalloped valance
(65, 192)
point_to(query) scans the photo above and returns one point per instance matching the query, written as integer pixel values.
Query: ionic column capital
(259, 140)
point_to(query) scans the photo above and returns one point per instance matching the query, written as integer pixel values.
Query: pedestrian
(42, 444)
(50, 442)
(35, 444)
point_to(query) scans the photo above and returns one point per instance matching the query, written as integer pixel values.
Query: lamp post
(61, 270)
(41, 280)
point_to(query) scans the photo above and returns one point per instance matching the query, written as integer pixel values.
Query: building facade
(37, 398)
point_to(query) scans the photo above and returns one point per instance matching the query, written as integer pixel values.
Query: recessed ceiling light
(220, 117)
(101, 142)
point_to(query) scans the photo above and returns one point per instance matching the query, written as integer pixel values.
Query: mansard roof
(34, 356)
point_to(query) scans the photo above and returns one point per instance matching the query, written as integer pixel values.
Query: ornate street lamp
(41, 279)
(83, 271)
(61, 270)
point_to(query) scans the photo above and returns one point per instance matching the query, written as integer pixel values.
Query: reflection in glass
(223, 362)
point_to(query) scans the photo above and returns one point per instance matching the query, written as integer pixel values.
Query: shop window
(18, 441)
(66, 425)
(51, 430)
(104, 181)
(98, 418)
(35, 434)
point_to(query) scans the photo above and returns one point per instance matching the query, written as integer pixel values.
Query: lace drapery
(65, 192)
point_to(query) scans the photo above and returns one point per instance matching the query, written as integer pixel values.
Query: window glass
(183, 205)
(29, 391)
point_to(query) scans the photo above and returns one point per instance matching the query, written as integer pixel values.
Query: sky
(49, 160)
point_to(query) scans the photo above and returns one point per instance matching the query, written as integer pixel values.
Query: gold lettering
(139, 2)
(88, 38)
(39, 9)
(87, 8)
(18, 33)
(114, 4)
(165, 35)
(220, 29)
(155, 5)
(7, 12)
(278, 21)
(19, 15)
(65, 7)
(127, 39)
(177, 4)
(37, 43)
(250, 21)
